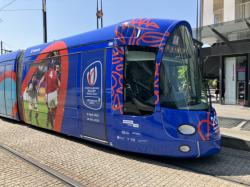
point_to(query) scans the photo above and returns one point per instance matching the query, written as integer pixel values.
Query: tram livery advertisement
(135, 86)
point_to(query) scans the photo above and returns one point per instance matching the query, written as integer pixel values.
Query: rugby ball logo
(92, 76)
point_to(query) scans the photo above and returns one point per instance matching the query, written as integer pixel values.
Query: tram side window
(2, 98)
(9, 91)
(139, 80)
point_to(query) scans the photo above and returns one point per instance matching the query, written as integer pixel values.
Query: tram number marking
(214, 122)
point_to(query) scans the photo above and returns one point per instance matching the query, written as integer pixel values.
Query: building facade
(225, 33)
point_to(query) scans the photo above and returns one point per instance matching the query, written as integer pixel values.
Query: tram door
(92, 94)
(131, 118)
(139, 81)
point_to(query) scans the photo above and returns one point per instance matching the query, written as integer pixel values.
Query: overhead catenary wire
(6, 5)
(20, 10)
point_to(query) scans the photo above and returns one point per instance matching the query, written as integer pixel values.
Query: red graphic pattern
(156, 84)
(143, 32)
(207, 123)
(117, 79)
(63, 52)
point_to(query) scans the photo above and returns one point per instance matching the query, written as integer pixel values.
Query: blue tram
(135, 86)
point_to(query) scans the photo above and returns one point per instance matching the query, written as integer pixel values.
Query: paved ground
(232, 111)
(95, 165)
(235, 123)
(16, 172)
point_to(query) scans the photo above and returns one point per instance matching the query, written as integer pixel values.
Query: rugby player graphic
(32, 92)
(51, 77)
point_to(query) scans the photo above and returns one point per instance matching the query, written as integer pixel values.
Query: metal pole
(44, 22)
(97, 19)
(248, 79)
(201, 20)
(197, 20)
(1, 47)
(102, 16)
(201, 13)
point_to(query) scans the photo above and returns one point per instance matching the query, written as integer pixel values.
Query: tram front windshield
(180, 78)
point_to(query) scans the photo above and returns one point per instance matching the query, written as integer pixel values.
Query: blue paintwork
(154, 134)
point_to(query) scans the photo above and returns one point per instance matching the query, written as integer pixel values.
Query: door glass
(8, 91)
(139, 80)
(2, 96)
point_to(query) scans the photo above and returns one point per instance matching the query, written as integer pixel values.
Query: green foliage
(182, 76)
(212, 83)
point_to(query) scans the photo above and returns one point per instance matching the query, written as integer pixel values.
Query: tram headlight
(186, 129)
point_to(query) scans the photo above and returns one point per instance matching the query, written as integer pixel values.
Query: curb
(235, 143)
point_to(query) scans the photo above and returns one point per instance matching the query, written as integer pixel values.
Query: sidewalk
(234, 122)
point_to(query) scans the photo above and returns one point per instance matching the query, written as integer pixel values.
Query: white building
(226, 29)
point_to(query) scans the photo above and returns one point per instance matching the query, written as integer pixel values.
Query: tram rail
(55, 174)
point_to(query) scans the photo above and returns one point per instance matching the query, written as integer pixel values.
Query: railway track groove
(63, 178)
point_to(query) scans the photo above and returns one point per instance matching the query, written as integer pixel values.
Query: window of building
(218, 9)
(242, 9)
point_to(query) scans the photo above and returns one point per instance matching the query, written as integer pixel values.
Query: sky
(22, 29)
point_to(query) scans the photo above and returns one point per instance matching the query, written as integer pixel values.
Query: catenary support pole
(1, 45)
(102, 16)
(44, 22)
(97, 19)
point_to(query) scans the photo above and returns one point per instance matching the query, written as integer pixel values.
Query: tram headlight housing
(186, 129)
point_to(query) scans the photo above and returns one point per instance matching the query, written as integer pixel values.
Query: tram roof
(9, 56)
(106, 34)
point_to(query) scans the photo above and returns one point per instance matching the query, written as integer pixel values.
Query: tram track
(53, 173)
